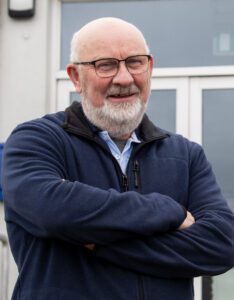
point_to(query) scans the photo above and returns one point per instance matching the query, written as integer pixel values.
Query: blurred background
(192, 42)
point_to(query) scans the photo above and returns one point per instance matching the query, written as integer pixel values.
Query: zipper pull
(125, 182)
(136, 173)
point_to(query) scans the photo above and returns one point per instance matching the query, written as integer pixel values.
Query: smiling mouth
(121, 95)
(116, 94)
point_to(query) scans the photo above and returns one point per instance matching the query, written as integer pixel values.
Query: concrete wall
(23, 67)
(24, 72)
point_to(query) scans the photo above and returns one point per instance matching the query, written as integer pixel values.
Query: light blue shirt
(121, 157)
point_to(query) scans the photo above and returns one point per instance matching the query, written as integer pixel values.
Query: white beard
(118, 119)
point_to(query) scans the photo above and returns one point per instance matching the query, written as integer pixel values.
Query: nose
(123, 77)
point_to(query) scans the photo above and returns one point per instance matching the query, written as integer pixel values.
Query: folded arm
(204, 248)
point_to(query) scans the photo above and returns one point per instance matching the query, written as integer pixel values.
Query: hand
(188, 221)
(90, 246)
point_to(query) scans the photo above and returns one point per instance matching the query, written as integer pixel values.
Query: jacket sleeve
(39, 199)
(205, 248)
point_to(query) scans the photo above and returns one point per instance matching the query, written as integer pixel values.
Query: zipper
(125, 182)
(136, 174)
(136, 170)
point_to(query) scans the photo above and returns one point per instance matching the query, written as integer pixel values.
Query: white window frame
(197, 86)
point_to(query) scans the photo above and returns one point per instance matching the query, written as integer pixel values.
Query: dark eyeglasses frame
(93, 63)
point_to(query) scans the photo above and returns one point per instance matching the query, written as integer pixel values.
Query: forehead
(111, 40)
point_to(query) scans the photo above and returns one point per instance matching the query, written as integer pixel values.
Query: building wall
(23, 67)
(24, 61)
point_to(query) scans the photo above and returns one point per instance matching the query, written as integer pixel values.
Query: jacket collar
(77, 123)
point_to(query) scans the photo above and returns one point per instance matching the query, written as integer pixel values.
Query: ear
(74, 76)
(151, 64)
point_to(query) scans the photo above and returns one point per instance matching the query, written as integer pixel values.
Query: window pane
(218, 138)
(162, 109)
(179, 33)
(74, 96)
(218, 142)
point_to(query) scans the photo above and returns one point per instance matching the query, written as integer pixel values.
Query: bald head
(98, 38)
(114, 94)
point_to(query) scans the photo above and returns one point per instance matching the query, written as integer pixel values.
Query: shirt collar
(105, 136)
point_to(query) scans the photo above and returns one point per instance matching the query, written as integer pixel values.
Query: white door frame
(197, 85)
(181, 85)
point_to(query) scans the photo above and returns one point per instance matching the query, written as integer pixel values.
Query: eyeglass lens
(109, 67)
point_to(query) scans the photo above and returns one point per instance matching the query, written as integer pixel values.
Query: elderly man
(100, 203)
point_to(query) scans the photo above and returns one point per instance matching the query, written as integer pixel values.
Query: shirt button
(117, 157)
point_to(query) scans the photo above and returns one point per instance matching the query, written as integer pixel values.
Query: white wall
(24, 61)
(23, 67)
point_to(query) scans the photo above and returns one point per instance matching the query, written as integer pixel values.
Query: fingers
(188, 221)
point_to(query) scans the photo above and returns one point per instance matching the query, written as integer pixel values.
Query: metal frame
(207, 292)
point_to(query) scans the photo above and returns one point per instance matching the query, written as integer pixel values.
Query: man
(100, 203)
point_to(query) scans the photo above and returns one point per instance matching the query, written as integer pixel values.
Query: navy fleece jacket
(63, 189)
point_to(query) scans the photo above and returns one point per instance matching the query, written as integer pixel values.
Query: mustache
(122, 91)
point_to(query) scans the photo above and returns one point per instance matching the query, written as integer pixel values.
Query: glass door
(212, 125)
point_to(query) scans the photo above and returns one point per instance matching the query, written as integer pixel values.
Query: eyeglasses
(108, 67)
